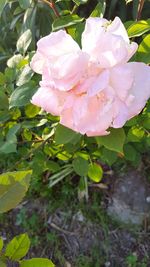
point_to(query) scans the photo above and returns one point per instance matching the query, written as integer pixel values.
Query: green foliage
(65, 21)
(2, 5)
(13, 187)
(80, 166)
(31, 139)
(28, 132)
(144, 50)
(10, 144)
(37, 262)
(139, 28)
(65, 135)
(22, 95)
(24, 41)
(80, 2)
(114, 141)
(2, 264)
(24, 4)
(95, 172)
(132, 260)
(1, 243)
(99, 9)
(18, 248)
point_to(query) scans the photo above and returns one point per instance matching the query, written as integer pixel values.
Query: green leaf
(10, 144)
(95, 172)
(8, 147)
(27, 134)
(1, 243)
(135, 134)
(64, 135)
(108, 156)
(14, 61)
(31, 111)
(80, 166)
(2, 79)
(80, 2)
(65, 21)
(12, 131)
(143, 53)
(18, 247)
(13, 187)
(130, 152)
(22, 95)
(128, 1)
(139, 28)
(114, 141)
(99, 10)
(24, 41)
(24, 4)
(76, 31)
(37, 262)
(3, 101)
(2, 264)
(24, 76)
(2, 5)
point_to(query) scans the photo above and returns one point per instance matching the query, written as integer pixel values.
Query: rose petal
(105, 43)
(100, 83)
(57, 44)
(65, 72)
(51, 47)
(49, 99)
(140, 89)
(121, 79)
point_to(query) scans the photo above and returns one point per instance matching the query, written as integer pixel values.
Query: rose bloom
(92, 88)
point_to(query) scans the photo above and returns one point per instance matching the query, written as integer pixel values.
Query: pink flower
(94, 88)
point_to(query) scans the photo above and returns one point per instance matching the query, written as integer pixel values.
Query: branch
(140, 7)
(52, 5)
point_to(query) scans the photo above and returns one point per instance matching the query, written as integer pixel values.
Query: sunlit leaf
(143, 53)
(13, 187)
(18, 247)
(65, 21)
(24, 41)
(1, 243)
(95, 172)
(114, 141)
(37, 262)
(139, 28)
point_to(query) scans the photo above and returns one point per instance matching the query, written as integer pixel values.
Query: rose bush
(92, 88)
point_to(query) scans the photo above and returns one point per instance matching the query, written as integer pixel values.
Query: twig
(52, 6)
(140, 7)
(53, 225)
(74, 10)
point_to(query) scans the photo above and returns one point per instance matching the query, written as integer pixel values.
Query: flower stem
(75, 8)
(52, 6)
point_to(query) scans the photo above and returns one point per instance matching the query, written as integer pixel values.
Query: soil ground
(83, 235)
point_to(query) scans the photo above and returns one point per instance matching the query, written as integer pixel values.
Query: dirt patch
(77, 236)
(82, 236)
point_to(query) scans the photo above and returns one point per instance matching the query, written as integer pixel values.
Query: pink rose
(94, 88)
(60, 61)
